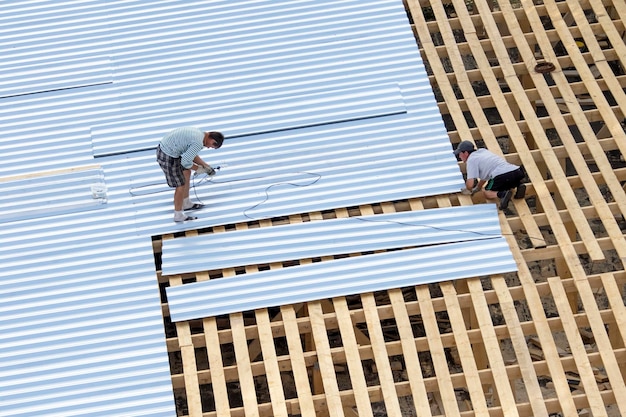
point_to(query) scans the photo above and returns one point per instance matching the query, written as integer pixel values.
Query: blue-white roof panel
(81, 327)
(339, 277)
(79, 295)
(235, 248)
(55, 75)
(70, 191)
(277, 114)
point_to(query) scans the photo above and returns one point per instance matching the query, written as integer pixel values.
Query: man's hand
(466, 191)
(207, 169)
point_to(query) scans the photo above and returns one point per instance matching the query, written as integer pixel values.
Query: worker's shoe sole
(504, 201)
(185, 219)
(196, 206)
(520, 192)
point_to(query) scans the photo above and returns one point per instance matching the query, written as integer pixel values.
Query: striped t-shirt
(184, 143)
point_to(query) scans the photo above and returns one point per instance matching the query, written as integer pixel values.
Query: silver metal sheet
(283, 173)
(329, 237)
(81, 319)
(50, 75)
(54, 194)
(283, 112)
(81, 326)
(340, 277)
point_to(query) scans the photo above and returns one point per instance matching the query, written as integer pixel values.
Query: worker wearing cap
(177, 155)
(485, 168)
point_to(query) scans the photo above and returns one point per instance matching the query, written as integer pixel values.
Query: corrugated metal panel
(49, 195)
(339, 277)
(81, 321)
(81, 325)
(340, 165)
(53, 75)
(265, 116)
(331, 237)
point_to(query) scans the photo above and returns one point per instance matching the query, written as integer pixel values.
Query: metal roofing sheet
(274, 114)
(70, 191)
(80, 303)
(354, 275)
(81, 326)
(285, 173)
(329, 237)
(50, 75)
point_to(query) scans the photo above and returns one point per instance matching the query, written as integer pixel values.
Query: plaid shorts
(171, 167)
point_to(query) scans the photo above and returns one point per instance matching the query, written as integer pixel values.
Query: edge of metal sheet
(340, 277)
(253, 117)
(329, 237)
(54, 194)
(54, 74)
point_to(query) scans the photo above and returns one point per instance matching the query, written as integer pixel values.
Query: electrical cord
(210, 179)
(429, 226)
(266, 191)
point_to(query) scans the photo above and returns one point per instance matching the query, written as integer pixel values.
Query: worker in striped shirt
(177, 155)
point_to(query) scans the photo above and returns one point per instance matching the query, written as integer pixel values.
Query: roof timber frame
(554, 330)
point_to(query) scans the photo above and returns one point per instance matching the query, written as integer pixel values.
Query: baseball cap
(466, 145)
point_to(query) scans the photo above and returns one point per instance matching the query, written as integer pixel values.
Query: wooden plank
(242, 354)
(610, 31)
(583, 367)
(353, 359)
(539, 135)
(616, 302)
(409, 352)
(31, 175)
(325, 359)
(502, 104)
(561, 234)
(254, 347)
(216, 365)
(190, 372)
(192, 387)
(464, 347)
(298, 365)
(612, 123)
(601, 338)
(543, 329)
(492, 345)
(270, 362)
(188, 357)
(599, 156)
(518, 339)
(437, 353)
(381, 357)
(244, 370)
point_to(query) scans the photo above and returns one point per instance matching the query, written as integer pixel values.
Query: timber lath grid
(555, 331)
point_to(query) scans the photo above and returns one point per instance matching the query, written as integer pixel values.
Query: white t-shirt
(485, 165)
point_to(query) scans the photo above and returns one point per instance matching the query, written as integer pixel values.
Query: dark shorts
(172, 169)
(506, 181)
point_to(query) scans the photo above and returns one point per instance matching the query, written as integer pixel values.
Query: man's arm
(202, 167)
(188, 158)
(473, 185)
(199, 161)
